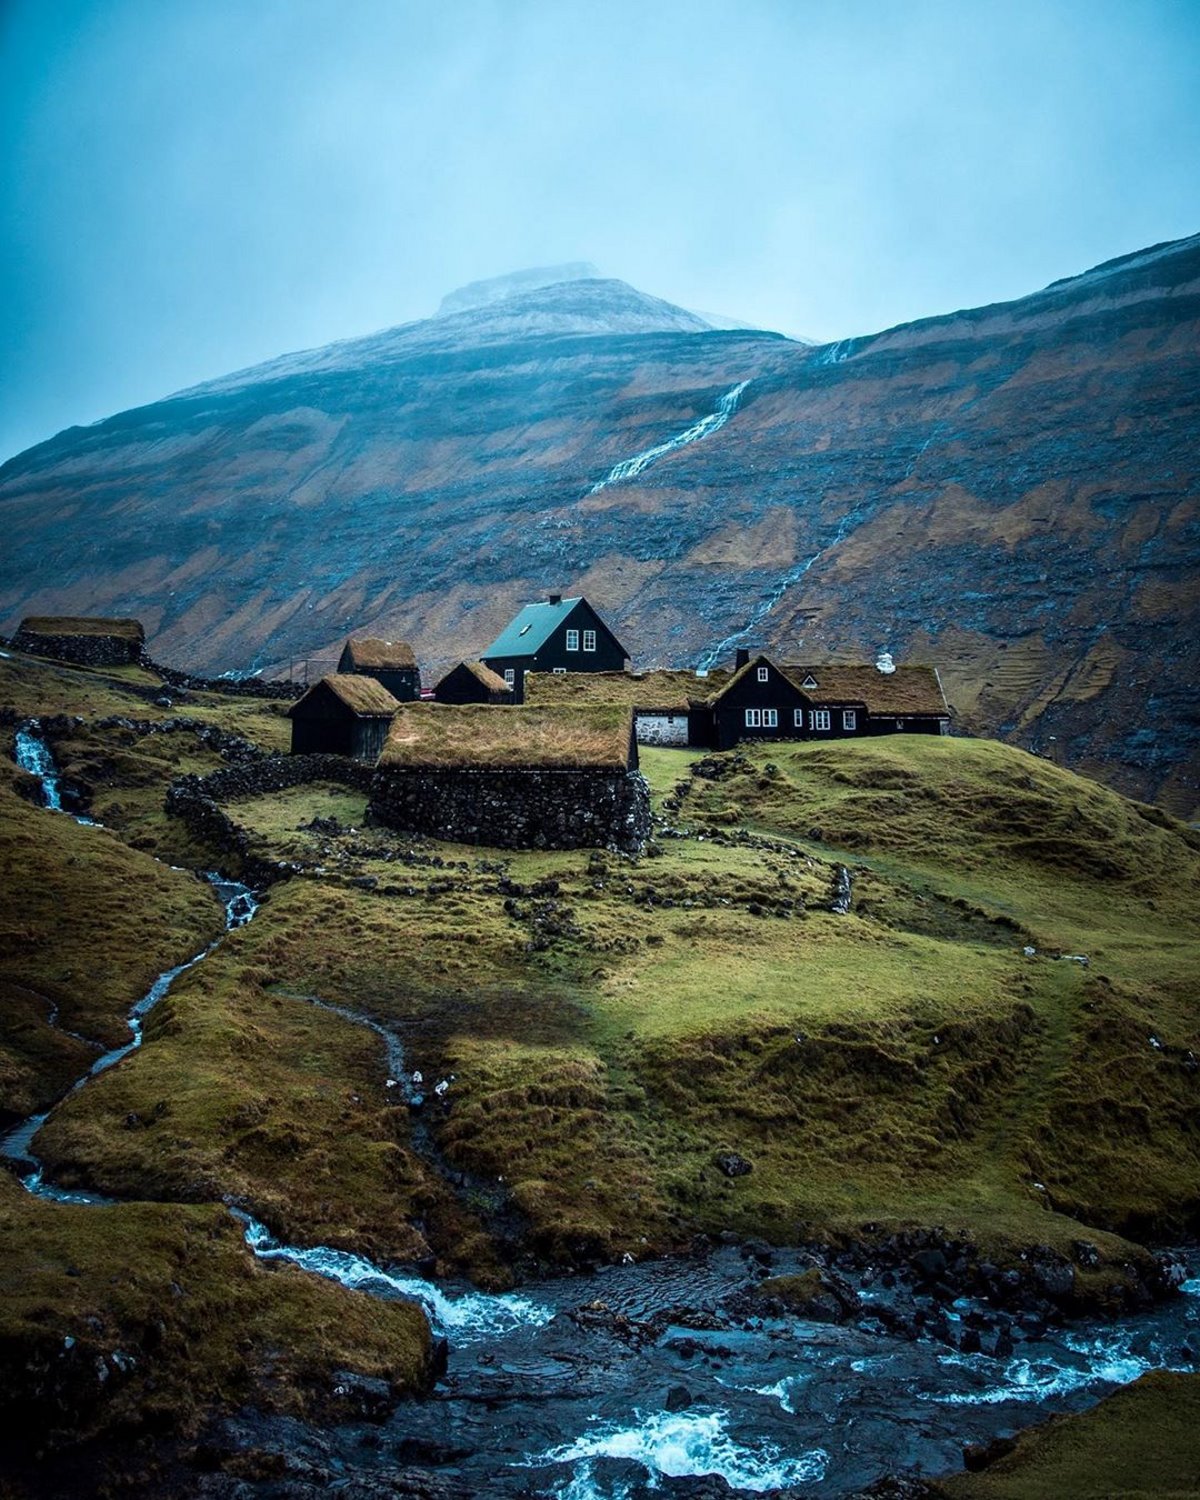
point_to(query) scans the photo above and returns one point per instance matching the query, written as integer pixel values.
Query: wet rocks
(818, 1294)
(732, 1165)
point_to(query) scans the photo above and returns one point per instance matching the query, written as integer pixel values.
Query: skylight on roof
(809, 682)
(523, 629)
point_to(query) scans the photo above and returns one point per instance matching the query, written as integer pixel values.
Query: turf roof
(667, 690)
(362, 695)
(82, 625)
(369, 651)
(907, 690)
(479, 736)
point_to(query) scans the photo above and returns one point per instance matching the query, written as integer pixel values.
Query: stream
(616, 1382)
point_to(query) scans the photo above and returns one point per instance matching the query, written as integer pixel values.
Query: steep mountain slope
(1009, 491)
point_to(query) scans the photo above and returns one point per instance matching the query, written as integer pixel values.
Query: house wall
(609, 655)
(729, 714)
(322, 737)
(515, 809)
(662, 729)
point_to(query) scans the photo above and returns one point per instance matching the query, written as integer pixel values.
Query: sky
(190, 186)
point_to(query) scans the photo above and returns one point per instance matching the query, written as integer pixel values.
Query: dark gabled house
(343, 715)
(472, 682)
(763, 700)
(391, 663)
(557, 635)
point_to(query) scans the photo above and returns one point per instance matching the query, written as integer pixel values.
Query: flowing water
(615, 1383)
(629, 468)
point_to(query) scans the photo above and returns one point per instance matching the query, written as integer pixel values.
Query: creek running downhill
(631, 1380)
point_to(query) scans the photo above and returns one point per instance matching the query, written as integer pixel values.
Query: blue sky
(190, 186)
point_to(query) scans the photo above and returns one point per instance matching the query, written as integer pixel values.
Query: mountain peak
(498, 288)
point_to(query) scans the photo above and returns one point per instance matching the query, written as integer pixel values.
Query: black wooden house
(766, 701)
(391, 663)
(343, 715)
(557, 635)
(472, 682)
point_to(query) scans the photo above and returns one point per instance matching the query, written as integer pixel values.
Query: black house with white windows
(557, 635)
(763, 700)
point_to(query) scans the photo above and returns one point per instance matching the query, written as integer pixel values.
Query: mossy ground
(143, 1315)
(613, 1025)
(1142, 1441)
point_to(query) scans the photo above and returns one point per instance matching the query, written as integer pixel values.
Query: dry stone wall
(515, 809)
(81, 650)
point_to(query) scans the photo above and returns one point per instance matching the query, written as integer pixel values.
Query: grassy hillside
(611, 1028)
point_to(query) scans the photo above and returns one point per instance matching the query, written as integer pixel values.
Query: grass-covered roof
(478, 736)
(82, 625)
(665, 689)
(370, 653)
(907, 690)
(362, 695)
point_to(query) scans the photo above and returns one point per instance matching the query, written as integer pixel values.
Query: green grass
(614, 1024)
(1142, 1441)
(178, 1314)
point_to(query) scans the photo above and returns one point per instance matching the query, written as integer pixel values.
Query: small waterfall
(33, 755)
(468, 1316)
(792, 576)
(842, 889)
(705, 427)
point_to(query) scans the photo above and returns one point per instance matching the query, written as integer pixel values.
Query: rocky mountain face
(1010, 492)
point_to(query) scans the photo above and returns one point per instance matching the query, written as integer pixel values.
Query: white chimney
(885, 664)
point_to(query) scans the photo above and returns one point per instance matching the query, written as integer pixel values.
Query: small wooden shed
(472, 682)
(391, 663)
(342, 715)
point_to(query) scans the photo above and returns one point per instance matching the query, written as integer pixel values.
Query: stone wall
(236, 687)
(194, 800)
(514, 809)
(81, 650)
(661, 729)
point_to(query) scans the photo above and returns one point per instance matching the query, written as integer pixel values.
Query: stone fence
(194, 799)
(516, 809)
(235, 687)
(80, 650)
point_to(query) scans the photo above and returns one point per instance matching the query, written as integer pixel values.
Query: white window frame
(510, 676)
(560, 671)
(754, 718)
(819, 721)
(589, 640)
(770, 718)
(572, 640)
(798, 718)
(764, 674)
(850, 718)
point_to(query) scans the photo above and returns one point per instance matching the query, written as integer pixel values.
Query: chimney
(554, 599)
(742, 659)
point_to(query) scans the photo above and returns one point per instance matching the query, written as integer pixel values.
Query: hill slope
(1010, 491)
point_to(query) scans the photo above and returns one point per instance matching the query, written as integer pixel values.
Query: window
(770, 718)
(819, 719)
(560, 671)
(763, 674)
(754, 718)
(762, 718)
(589, 640)
(572, 640)
(509, 676)
(849, 719)
(809, 683)
(798, 718)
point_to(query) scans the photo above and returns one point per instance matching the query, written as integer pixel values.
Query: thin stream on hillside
(612, 1384)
